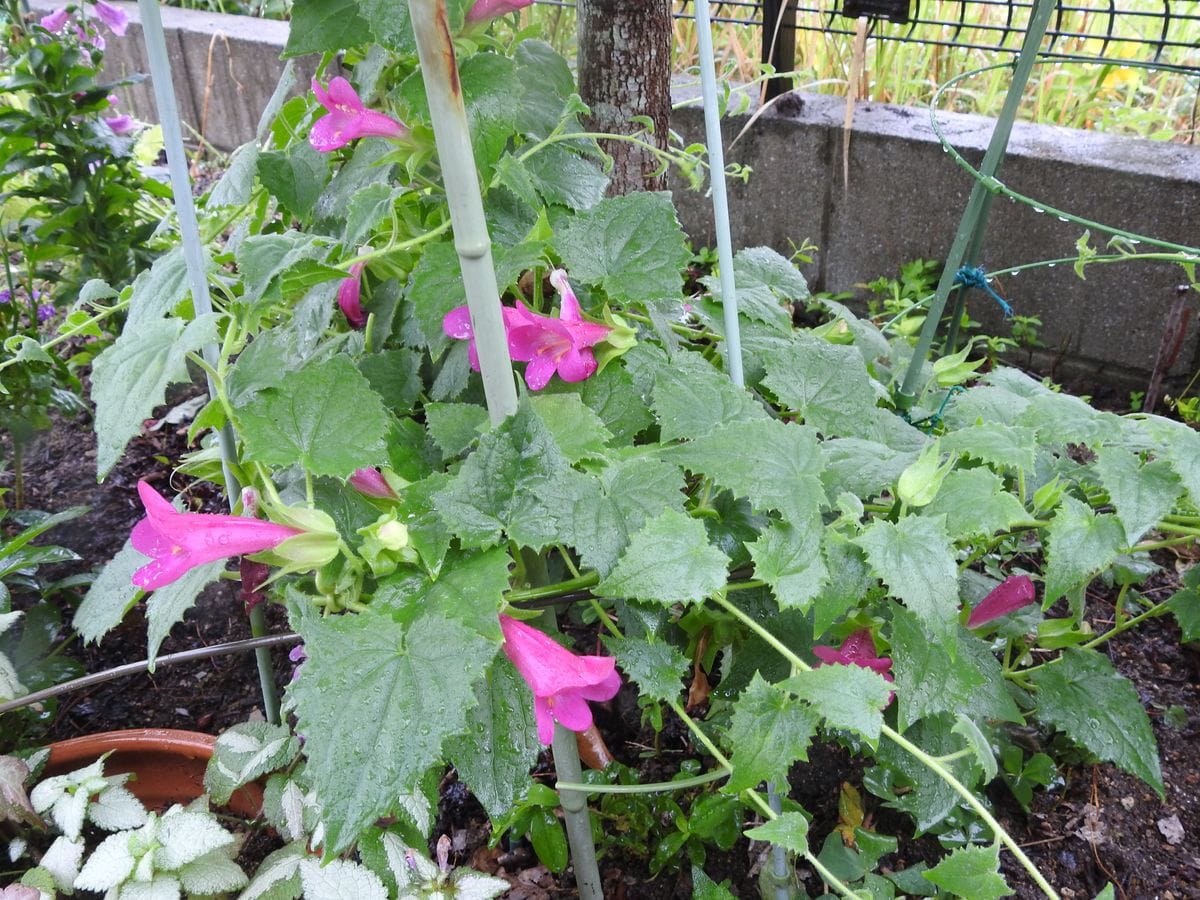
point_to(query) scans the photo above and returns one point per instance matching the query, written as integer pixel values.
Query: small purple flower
(116, 19)
(5, 297)
(55, 21)
(297, 656)
(122, 124)
(45, 311)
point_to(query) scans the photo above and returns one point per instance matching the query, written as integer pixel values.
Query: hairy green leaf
(668, 560)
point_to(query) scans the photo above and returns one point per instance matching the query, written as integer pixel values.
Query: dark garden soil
(1099, 826)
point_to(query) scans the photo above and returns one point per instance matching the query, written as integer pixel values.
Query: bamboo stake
(435, 47)
(189, 232)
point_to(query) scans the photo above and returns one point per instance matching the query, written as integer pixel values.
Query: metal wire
(1085, 30)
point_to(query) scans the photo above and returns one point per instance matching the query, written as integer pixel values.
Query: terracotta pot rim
(174, 741)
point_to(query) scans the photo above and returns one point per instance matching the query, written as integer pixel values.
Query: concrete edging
(903, 201)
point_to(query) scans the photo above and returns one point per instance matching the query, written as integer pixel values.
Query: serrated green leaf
(849, 580)
(130, 378)
(319, 26)
(470, 589)
(972, 873)
(861, 467)
(928, 680)
(1185, 605)
(325, 418)
(1060, 419)
(788, 830)
(906, 784)
(395, 375)
(611, 395)
(1142, 492)
(296, 177)
(245, 752)
(704, 888)
(368, 208)
(826, 383)
(914, 558)
(110, 596)
(668, 560)
(263, 259)
(788, 558)
(764, 280)
(850, 697)
(977, 744)
(768, 733)
(169, 603)
(599, 524)
(278, 876)
(564, 178)
(632, 246)
(998, 445)
(774, 465)
(494, 755)
(657, 667)
(1097, 708)
(975, 503)
(455, 426)
(1081, 545)
(1180, 446)
(376, 701)
(577, 430)
(692, 399)
(158, 290)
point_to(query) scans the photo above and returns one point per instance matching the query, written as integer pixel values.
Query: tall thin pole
(189, 232)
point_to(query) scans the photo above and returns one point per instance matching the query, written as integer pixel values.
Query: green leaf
(500, 746)
(611, 395)
(657, 667)
(1142, 492)
(245, 752)
(322, 26)
(704, 888)
(158, 290)
(906, 784)
(928, 679)
(972, 872)
(976, 503)
(977, 744)
(773, 464)
(764, 279)
(599, 524)
(850, 697)
(296, 177)
(849, 580)
(325, 418)
(130, 378)
(691, 398)
(470, 590)
(669, 560)
(632, 246)
(376, 701)
(1185, 605)
(1097, 708)
(169, 603)
(455, 426)
(768, 733)
(549, 842)
(826, 383)
(915, 559)
(368, 208)
(861, 467)
(263, 259)
(788, 830)
(564, 178)
(516, 481)
(788, 558)
(1002, 446)
(111, 595)
(1060, 419)
(578, 431)
(1180, 445)
(395, 375)
(1081, 544)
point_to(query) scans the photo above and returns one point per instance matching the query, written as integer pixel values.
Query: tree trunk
(625, 71)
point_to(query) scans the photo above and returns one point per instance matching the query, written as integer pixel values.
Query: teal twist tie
(976, 277)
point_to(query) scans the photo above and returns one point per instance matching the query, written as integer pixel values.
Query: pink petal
(576, 365)
(489, 9)
(349, 302)
(545, 720)
(588, 334)
(859, 645)
(571, 711)
(457, 323)
(147, 540)
(122, 124)
(539, 371)
(56, 20)
(341, 94)
(603, 690)
(829, 655)
(1011, 594)
(321, 94)
(568, 302)
(162, 571)
(327, 134)
(370, 123)
(371, 482)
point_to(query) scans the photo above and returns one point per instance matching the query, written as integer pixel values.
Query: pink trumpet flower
(122, 124)
(349, 297)
(1011, 594)
(116, 19)
(178, 542)
(489, 9)
(561, 682)
(348, 119)
(856, 650)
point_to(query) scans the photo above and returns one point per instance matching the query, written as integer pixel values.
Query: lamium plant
(910, 586)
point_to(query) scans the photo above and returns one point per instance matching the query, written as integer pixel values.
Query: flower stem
(656, 787)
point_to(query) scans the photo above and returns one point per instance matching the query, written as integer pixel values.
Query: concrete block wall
(903, 200)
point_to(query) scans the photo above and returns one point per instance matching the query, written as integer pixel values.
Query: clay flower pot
(168, 765)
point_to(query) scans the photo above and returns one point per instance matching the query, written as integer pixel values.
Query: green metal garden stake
(193, 254)
(969, 236)
(435, 47)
